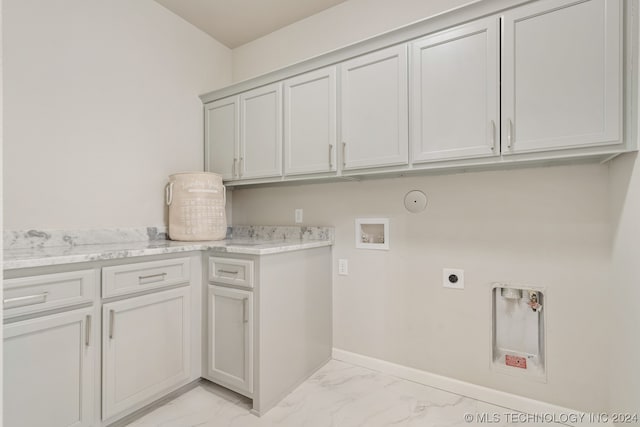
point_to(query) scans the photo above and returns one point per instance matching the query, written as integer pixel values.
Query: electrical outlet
(298, 216)
(453, 278)
(343, 267)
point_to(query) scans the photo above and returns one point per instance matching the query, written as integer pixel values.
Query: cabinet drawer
(26, 295)
(131, 278)
(237, 272)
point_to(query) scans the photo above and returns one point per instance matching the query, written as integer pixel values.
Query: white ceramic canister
(196, 203)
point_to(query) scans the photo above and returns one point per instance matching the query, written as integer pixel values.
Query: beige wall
(101, 104)
(339, 26)
(544, 227)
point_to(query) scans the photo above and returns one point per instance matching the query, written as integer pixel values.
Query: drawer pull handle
(111, 316)
(87, 331)
(228, 272)
(161, 276)
(26, 300)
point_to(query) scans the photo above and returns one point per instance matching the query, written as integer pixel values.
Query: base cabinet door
(230, 326)
(561, 75)
(146, 348)
(48, 371)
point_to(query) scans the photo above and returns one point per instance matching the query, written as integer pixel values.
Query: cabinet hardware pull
(111, 316)
(509, 133)
(233, 168)
(228, 272)
(330, 157)
(26, 300)
(168, 193)
(244, 310)
(240, 166)
(152, 276)
(344, 155)
(87, 331)
(493, 135)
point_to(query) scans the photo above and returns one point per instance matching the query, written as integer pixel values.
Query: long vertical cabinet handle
(493, 135)
(509, 133)
(240, 165)
(344, 155)
(330, 156)
(244, 310)
(87, 330)
(111, 316)
(233, 168)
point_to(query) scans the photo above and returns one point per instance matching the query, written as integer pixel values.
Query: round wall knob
(415, 201)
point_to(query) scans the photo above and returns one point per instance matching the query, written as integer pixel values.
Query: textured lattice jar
(196, 203)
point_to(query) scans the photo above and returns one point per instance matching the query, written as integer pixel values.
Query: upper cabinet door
(222, 134)
(374, 122)
(261, 132)
(561, 75)
(310, 122)
(455, 93)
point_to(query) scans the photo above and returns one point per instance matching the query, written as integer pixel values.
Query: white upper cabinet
(222, 128)
(455, 93)
(374, 117)
(542, 80)
(261, 132)
(561, 75)
(310, 122)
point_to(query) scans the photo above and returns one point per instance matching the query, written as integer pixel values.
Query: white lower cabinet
(145, 348)
(49, 371)
(230, 348)
(257, 345)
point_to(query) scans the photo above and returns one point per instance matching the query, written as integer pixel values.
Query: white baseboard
(484, 394)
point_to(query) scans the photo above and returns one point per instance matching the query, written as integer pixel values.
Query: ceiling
(236, 22)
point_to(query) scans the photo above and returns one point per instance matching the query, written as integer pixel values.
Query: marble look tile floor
(338, 395)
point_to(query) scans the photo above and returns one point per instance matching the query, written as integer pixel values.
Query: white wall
(101, 105)
(1, 202)
(339, 26)
(624, 192)
(625, 284)
(544, 227)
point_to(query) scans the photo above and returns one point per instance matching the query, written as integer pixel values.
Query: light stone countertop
(250, 241)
